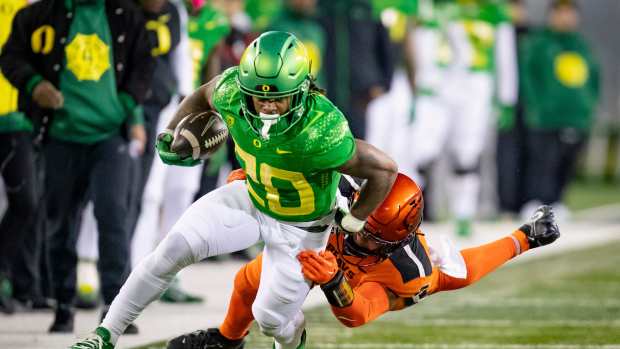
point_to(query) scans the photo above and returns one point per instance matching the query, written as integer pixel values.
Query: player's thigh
(471, 122)
(223, 221)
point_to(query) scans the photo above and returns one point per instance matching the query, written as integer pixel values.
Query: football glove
(319, 268)
(541, 229)
(164, 140)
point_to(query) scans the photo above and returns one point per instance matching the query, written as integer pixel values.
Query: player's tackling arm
(380, 172)
(199, 101)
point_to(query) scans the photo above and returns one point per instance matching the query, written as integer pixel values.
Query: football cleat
(100, 339)
(541, 229)
(201, 339)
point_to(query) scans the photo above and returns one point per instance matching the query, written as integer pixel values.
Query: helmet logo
(266, 88)
(257, 143)
(230, 120)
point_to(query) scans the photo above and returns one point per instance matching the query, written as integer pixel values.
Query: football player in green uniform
(293, 144)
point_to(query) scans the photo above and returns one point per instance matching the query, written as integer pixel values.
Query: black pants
(18, 172)
(551, 159)
(71, 169)
(511, 162)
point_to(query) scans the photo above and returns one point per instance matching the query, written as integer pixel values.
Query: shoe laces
(92, 342)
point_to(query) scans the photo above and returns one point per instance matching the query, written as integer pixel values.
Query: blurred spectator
(299, 17)
(561, 87)
(465, 56)
(17, 167)
(85, 64)
(511, 137)
(206, 28)
(358, 58)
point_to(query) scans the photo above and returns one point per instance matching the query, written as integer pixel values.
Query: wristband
(352, 224)
(338, 291)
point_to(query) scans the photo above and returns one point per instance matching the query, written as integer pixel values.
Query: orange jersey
(406, 272)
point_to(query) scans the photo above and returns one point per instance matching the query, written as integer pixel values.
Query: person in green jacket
(85, 67)
(560, 79)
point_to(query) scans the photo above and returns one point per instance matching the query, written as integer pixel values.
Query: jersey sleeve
(331, 140)
(370, 302)
(226, 93)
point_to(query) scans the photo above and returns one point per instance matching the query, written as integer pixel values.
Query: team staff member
(85, 65)
(386, 267)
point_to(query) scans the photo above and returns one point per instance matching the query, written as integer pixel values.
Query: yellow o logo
(230, 120)
(266, 88)
(42, 40)
(571, 69)
(257, 143)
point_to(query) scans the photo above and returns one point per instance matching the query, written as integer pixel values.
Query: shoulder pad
(411, 261)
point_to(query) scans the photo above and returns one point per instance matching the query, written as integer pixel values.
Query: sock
(239, 316)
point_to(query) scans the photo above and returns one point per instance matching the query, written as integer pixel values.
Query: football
(199, 135)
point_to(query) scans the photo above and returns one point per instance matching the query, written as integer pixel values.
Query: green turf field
(566, 301)
(582, 194)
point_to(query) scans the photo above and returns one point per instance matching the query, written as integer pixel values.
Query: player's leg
(471, 124)
(220, 222)
(180, 186)
(540, 230)
(282, 290)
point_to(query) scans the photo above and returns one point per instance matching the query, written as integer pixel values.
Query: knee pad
(269, 322)
(171, 255)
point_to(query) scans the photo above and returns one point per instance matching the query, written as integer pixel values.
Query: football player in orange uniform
(386, 267)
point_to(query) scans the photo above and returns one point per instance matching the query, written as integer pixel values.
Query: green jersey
(480, 21)
(292, 176)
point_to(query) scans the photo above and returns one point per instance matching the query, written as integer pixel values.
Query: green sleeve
(335, 156)
(133, 110)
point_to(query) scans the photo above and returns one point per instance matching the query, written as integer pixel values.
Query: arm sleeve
(140, 62)
(181, 58)
(15, 60)
(506, 58)
(371, 301)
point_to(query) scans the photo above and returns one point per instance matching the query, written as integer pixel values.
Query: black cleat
(201, 339)
(541, 229)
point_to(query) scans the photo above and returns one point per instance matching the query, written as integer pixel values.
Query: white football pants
(223, 221)
(457, 117)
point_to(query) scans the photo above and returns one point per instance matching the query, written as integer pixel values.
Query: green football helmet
(274, 65)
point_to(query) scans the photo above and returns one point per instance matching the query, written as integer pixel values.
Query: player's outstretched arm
(380, 172)
(353, 307)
